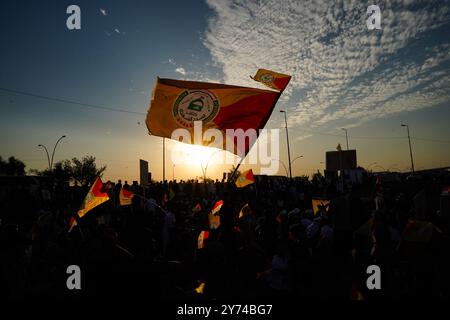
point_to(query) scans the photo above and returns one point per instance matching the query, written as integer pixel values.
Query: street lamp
(346, 136)
(46, 151)
(50, 162)
(410, 149)
(284, 166)
(296, 159)
(287, 139)
(164, 158)
(54, 148)
(368, 167)
(207, 164)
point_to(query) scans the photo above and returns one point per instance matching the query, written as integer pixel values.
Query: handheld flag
(244, 211)
(94, 198)
(318, 204)
(216, 208)
(201, 288)
(214, 221)
(197, 208)
(418, 231)
(274, 80)
(125, 197)
(245, 179)
(178, 104)
(213, 217)
(202, 237)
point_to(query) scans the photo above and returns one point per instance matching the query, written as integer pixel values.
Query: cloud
(103, 12)
(341, 71)
(302, 137)
(181, 71)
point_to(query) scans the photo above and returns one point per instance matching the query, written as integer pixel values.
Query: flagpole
(236, 169)
(164, 159)
(240, 162)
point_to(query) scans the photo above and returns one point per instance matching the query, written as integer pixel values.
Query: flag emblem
(195, 105)
(267, 78)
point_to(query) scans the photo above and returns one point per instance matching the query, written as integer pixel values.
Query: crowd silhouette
(276, 247)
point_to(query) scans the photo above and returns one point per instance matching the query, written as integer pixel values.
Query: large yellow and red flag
(94, 198)
(274, 80)
(245, 179)
(178, 104)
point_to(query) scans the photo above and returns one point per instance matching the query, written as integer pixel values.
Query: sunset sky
(343, 76)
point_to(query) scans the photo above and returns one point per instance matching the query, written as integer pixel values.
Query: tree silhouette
(79, 171)
(12, 167)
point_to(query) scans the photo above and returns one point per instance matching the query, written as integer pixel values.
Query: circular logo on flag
(267, 77)
(195, 105)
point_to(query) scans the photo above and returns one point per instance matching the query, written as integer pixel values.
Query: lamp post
(288, 147)
(381, 167)
(410, 149)
(346, 136)
(296, 158)
(373, 163)
(48, 157)
(207, 164)
(164, 159)
(284, 166)
(50, 162)
(54, 148)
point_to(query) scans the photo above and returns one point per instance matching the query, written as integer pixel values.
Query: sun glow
(195, 155)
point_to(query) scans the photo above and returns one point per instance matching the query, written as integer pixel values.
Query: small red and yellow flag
(216, 208)
(202, 237)
(125, 197)
(94, 198)
(320, 204)
(245, 210)
(197, 208)
(274, 80)
(245, 179)
(213, 217)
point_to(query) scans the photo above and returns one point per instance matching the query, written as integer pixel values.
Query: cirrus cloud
(342, 72)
